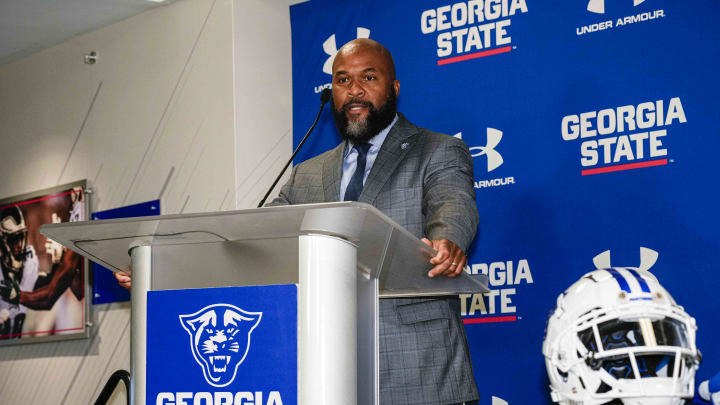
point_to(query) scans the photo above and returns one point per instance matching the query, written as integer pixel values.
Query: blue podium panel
(105, 287)
(231, 345)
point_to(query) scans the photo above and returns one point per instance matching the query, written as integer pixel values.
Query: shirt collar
(376, 141)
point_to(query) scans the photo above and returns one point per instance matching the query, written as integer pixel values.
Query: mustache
(364, 103)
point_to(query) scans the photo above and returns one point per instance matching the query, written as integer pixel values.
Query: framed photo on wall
(43, 286)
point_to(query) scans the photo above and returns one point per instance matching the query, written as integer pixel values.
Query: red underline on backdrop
(628, 166)
(54, 331)
(474, 55)
(493, 319)
(47, 197)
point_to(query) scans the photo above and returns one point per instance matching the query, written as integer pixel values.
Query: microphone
(324, 98)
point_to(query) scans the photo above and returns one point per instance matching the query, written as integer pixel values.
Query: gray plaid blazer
(423, 181)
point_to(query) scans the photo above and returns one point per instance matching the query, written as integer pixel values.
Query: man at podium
(423, 181)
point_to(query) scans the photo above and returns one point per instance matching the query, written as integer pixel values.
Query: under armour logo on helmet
(330, 48)
(598, 6)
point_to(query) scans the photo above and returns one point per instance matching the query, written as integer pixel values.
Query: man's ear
(396, 87)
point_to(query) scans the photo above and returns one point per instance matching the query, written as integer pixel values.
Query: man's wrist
(457, 240)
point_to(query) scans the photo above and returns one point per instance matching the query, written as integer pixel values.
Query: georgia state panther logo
(220, 340)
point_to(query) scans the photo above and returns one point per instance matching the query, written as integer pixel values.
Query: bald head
(366, 45)
(364, 89)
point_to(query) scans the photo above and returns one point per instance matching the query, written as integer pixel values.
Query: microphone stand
(324, 98)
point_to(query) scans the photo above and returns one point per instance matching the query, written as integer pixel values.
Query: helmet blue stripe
(643, 284)
(620, 280)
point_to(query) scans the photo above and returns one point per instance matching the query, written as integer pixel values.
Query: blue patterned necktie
(354, 188)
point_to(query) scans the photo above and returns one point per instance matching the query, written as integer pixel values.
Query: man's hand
(10, 291)
(124, 279)
(450, 259)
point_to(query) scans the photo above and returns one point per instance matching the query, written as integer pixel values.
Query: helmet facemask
(640, 356)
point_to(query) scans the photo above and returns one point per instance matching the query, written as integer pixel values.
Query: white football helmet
(618, 337)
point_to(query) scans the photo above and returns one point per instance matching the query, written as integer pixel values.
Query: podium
(343, 257)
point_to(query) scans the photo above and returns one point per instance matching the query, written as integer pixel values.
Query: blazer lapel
(398, 142)
(332, 173)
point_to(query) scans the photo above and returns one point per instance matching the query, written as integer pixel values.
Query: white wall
(263, 97)
(153, 118)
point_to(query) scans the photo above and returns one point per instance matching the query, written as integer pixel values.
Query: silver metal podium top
(385, 249)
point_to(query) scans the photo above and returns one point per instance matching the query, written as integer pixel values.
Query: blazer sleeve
(283, 198)
(449, 205)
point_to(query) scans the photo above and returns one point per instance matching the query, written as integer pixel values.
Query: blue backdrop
(593, 126)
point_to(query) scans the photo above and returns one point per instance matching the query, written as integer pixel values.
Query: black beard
(377, 119)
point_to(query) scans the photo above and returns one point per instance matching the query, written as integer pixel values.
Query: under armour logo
(648, 257)
(330, 48)
(598, 6)
(494, 158)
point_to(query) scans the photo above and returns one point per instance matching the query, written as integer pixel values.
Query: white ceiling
(28, 26)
